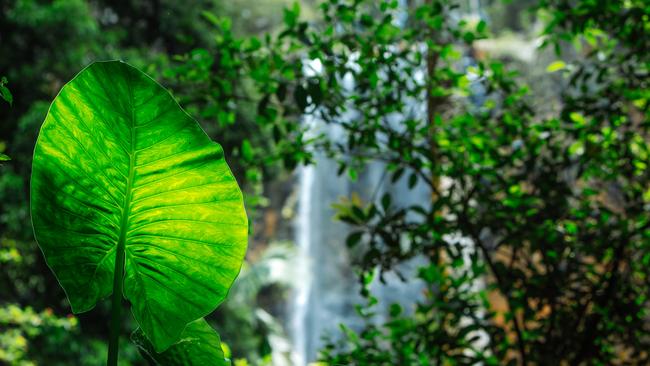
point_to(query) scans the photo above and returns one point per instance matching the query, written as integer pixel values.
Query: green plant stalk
(118, 280)
(116, 307)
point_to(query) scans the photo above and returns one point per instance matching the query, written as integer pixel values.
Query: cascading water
(302, 287)
(325, 290)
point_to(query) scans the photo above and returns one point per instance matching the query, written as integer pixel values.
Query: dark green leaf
(353, 239)
(4, 91)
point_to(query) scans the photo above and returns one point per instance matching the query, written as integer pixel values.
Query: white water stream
(326, 287)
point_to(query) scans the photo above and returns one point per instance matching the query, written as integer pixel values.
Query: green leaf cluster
(536, 245)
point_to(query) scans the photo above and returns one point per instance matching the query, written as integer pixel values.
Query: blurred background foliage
(44, 44)
(526, 121)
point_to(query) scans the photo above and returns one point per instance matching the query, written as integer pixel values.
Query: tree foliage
(43, 45)
(537, 233)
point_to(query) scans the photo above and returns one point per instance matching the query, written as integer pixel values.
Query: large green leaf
(121, 170)
(199, 345)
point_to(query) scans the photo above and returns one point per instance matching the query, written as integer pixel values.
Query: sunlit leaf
(199, 345)
(121, 172)
(556, 66)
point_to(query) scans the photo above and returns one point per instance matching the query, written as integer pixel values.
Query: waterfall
(325, 291)
(326, 288)
(303, 287)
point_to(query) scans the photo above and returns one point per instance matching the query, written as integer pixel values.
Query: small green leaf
(352, 173)
(4, 91)
(4, 157)
(353, 239)
(300, 96)
(199, 345)
(413, 180)
(481, 26)
(395, 310)
(556, 66)
(247, 150)
(578, 118)
(210, 17)
(385, 201)
(291, 15)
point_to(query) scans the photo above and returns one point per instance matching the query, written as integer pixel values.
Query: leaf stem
(118, 280)
(116, 307)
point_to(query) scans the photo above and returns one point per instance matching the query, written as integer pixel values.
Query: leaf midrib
(126, 212)
(126, 205)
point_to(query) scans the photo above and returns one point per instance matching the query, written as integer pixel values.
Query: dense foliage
(537, 233)
(44, 45)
